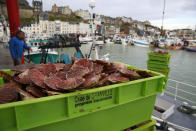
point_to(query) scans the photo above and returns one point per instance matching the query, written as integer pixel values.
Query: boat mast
(13, 16)
(92, 6)
(163, 16)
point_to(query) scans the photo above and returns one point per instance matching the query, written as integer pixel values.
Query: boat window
(100, 39)
(31, 44)
(35, 44)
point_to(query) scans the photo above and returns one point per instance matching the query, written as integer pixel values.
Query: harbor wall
(25, 12)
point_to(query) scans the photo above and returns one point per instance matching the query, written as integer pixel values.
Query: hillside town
(63, 20)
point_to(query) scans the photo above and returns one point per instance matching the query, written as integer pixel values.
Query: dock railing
(173, 89)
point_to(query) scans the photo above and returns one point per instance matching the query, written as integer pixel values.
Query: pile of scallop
(160, 52)
(34, 81)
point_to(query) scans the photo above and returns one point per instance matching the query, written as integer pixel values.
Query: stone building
(112, 30)
(65, 10)
(48, 27)
(107, 19)
(187, 34)
(35, 28)
(126, 20)
(118, 21)
(27, 29)
(31, 29)
(84, 28)
(54, 8)
(147, 22)
(55, 27)
(37, 5)
(43, 16)
(85, 14)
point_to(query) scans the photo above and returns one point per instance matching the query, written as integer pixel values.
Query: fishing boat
(117, 40)
(99, 40)
(142, 43)
(109, 41)
(192, 42)
(4, 37)
(162, 43)
(36, 56)
(191, 48)
(124, 41)
(170, 43)
(4, 40)
(175, 47)
(85, 40)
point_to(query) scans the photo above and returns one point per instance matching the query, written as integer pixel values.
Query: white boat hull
(35, 50)
(141, 43)
(99, 42)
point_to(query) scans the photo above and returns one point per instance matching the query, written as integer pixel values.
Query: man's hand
(30, 50)
(15, 61)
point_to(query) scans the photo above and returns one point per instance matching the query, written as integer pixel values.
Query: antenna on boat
(92, 6)
(163, 16)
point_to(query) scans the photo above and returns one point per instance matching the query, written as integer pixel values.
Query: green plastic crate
(113, 107)
(1, 79)
(107, 119)
(166, 78)
(8, 71)
(165, 86)
(150, 126)
(166, 82)
(159, 57)
(162, 71)
(157, 64)
(165, 72)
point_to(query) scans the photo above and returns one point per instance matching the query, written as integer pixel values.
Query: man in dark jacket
(17, 46)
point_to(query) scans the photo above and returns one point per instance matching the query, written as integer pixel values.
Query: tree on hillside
(125, 28)
(66, 18)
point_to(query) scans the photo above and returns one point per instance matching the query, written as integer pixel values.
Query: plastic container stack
(145, 126)
(159, 63)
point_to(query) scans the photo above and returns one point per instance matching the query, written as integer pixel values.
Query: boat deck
(178, 118)
(5, 58)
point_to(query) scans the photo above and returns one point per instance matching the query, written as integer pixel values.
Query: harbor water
(182, 65)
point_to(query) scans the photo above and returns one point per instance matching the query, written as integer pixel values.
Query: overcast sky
(178, 13)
